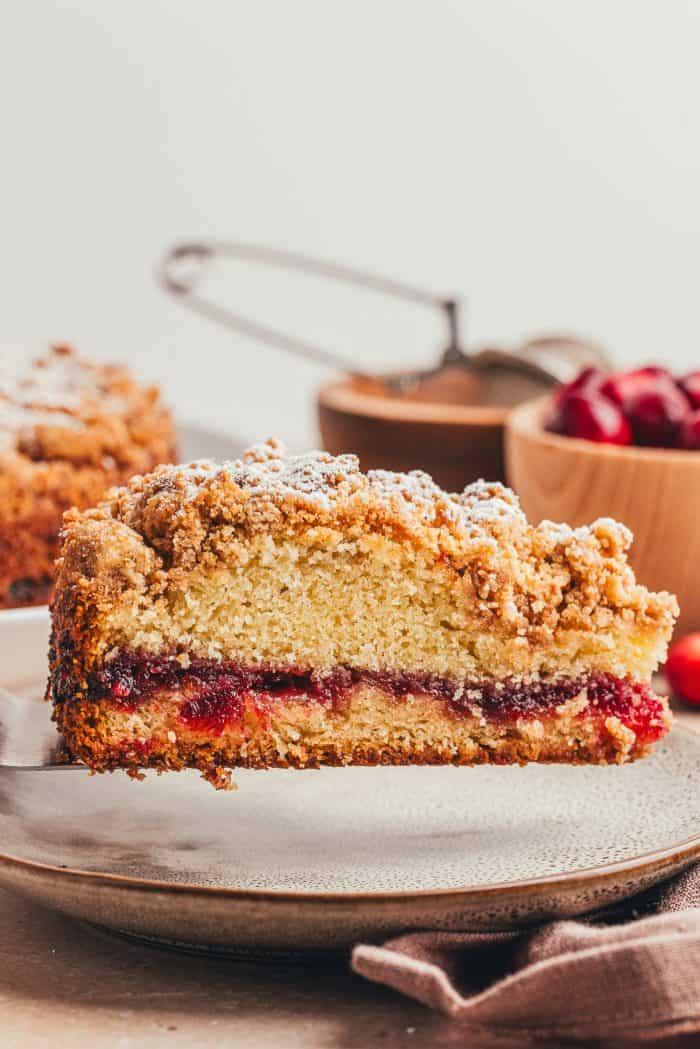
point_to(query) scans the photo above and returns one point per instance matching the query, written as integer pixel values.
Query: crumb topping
(269, 482)
(522, 580)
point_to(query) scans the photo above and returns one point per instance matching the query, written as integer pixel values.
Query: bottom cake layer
(212, 726)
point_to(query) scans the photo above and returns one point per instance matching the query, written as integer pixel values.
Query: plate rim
(682, 853)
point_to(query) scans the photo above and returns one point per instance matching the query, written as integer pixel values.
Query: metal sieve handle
(184, 266)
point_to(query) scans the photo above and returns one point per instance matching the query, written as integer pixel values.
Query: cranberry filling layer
(215, 694)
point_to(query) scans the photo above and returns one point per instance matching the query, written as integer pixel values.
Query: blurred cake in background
(69, 430)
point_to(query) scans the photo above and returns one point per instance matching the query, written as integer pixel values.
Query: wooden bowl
(654, 491)
(455, 443)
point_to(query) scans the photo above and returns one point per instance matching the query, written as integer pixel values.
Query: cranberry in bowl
(647, 407)
(624, 445)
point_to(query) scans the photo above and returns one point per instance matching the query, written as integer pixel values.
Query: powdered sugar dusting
(320, 482)
(557, 534)
(316, 478)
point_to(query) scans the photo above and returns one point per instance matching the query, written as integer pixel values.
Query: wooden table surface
(69, 986)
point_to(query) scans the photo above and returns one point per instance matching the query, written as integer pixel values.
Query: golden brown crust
(69, 430)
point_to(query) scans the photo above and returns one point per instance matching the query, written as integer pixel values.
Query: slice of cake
(69, 429)
(293, 611)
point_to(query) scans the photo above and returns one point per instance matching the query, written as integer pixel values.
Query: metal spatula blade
(28, 738)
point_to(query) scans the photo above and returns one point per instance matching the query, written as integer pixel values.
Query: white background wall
(541, 158)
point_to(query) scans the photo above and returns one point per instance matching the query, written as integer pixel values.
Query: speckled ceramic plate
(318, 859)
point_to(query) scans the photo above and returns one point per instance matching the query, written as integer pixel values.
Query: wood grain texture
(655, 492)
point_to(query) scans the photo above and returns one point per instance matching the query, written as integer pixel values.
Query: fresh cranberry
(588, 382)
(553, 419)
(651, 371)
(690, 432)
(621, 387)
(595, 419)
(615, 388)
(656, 414)
(683, 668)
(690, 385)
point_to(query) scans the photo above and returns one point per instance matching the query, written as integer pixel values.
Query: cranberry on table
(595, 419)
(683, 668)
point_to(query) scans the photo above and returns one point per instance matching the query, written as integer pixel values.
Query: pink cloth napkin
(632, 971)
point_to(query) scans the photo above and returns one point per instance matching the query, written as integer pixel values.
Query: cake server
(28, 738)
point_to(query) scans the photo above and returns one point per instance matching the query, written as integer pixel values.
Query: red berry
(620, 387)
(553, 420)
(656, 413)
(683, 668)
(690, 385)
(690, 432)
(615, 388)
(595, 419)
(588, 381)
(652, 371)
